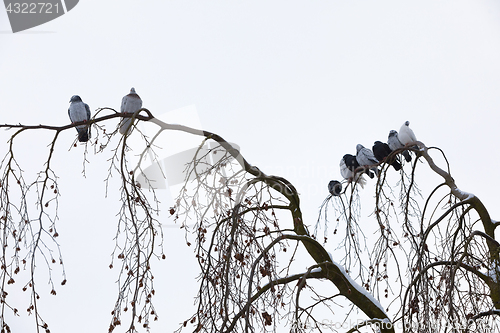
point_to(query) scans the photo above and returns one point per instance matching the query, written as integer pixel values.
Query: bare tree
(260, 266)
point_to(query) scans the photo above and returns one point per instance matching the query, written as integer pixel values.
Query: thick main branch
(331, 270)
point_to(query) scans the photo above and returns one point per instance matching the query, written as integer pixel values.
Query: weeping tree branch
(32, 233)
(488, 224)
(139, 229)
(331, 271)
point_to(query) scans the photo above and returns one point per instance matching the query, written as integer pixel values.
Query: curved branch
(488, 224)
(267, 287)
(486, 313)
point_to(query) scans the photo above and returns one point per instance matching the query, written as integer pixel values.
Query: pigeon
(130, 104)
(335, 188)
(79, 111)
(381, 151)
(348, 165)
(394, 144)
(365, 157)
(406, 134)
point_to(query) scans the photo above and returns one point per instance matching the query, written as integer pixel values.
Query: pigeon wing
(344, 170)
(380, 151)
(87, 109)
(77, 112)
(407, 155)
(368, 155)
(131, 102)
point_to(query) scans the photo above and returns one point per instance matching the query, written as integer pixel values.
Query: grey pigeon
(394, 143)
(406, 134)
(335, 188)
(79, 111)
(130, 104)
(348, 165)
(365, 157)
(381, 151)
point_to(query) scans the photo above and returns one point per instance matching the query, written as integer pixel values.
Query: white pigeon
(79, 111)
(130, 103)
(365, 157)
(394, 144)
(406, 134)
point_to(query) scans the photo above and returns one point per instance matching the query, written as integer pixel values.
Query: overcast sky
(296, 84)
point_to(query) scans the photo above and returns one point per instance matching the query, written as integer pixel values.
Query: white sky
(296, 84)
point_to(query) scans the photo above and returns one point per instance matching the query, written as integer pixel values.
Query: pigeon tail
(396, 165)
(369, 173)
(83, 135)
(125, 125)
(394, 161)
(360, 180)
(407, 155)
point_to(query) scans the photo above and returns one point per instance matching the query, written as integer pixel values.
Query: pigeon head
(132, 90)
(359, 147)
(75, 98)
(407, 123)
(393, 133)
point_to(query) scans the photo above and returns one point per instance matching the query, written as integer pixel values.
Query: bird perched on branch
(406, 134)
(335, 187)
(381, 151)
(130, 104)
(394, 144)
(79, 111)
(365, 158)
(348, 165)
